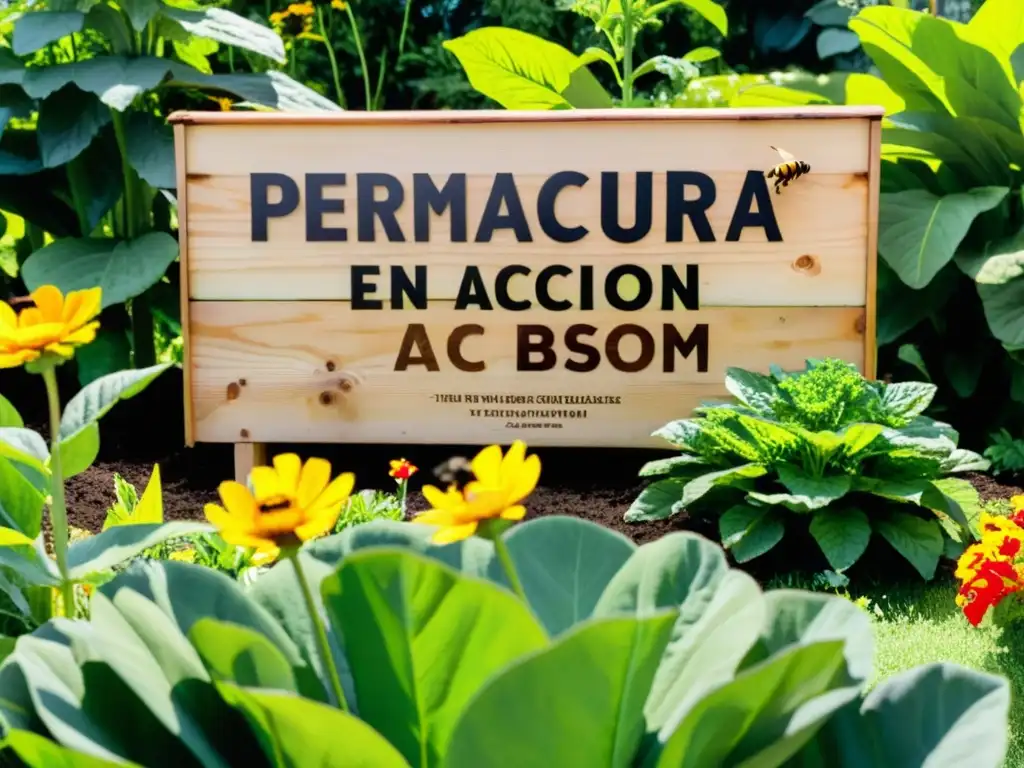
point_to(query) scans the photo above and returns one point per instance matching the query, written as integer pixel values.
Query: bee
(14, 301)
(455, 471)
(788, 170)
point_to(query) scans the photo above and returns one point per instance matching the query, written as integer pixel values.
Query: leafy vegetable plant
(368, 505)
(619, 656)
(1006, 452)
(824, 448)
(522, 71)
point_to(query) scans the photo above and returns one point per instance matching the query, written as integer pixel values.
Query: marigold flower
(499, 484)
(995, 580)
(402, 469)
(55, 325)
(291, 502)
(295, 20)
(994, 524)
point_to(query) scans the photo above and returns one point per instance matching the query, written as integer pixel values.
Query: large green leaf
(522, 71)
(237, 654)
(806, 492)
(966, 142)
(78, 452)
(21, 502)
(229, 28)
(149, 144)
(564, 564)
(1002, 305)
(68, 122)
(9, 416)
(998, 26)
(842, 534)
(297, 732)
(25, 446)
(918, 540)
(755, 390)
(998, 262)
(117, 80)
(720, 616)
(117, 544)
(763, 716)
(887, 36)
(40, 752)
(657, 501)
(676, 466)
(400, 613)
(710, 10)
(908, 398)
(140, 12)
(590, 683)
(104, 393)
(919, 232)
(123, 270)
(749, 532)
(36, 29)
(697, 488)
(269, 89)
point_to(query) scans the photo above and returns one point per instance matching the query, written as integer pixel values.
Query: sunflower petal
(83, 335)
(8, 317)
(238, 501)
(486, 465)
(334, 495)
(316, 474)
(50, 302)
(517, 512)
(454, 533)
(513, 461)
(525, 480)
(14, 359)
(439, 499)
(242, 539)
(82, 306)
(289, 467)
(266, 483)
(435, 517)
(319, 524)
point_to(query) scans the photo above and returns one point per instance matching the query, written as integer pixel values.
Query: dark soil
(595, 484)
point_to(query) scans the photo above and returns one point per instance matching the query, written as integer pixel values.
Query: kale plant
(848, 456)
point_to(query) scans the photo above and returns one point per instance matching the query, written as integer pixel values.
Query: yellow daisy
(55, 325)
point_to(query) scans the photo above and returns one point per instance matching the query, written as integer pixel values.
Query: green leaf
(93, 401)
(36, 29)
(657, 501)
(1002, 305)
(842, 534)
(998, 262)
(702, 54)
(964, 495)
(31, 564)
(78, 452)
(711, 11)
(9, 416)
(600, 672)
(149, 144)
(123, 270)
(118, 544)
(919, 232)
(236, 654)
(195, 52)
(749, 532)
(696, 489)
(522, 71)
(140, 12)
(398, 613)
(24, 446)
(68, 122)
(298, 732)
(829, 13)
(269, 89)
(109, 352)
(755, 390)
(40, 752)
(813, 492)
(564, 565)
(674, 465)
(21, 503)
(231, 29)
(117, 80)
(938, 714)
(918, 540)
(773, 709)
(834, 42)
(908, 398)
(678, 433)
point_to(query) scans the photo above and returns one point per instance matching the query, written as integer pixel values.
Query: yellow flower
(183, 555)
(294, 20)
(55, 325)
(1017, 502)
(971, 560)
(338, 5)
(291, 502)
(499, 484)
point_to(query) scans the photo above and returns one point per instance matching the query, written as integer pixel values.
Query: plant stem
(128, 192)
(405, 29)
(322, 645)
(330, 57)
(509, 567)
(58, 509)
(403, 494)
(362, 54)
(380, 79)
(627, 53)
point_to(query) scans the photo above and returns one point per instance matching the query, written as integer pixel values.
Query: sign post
(574, 278)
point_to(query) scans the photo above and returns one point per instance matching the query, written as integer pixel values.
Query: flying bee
(455, 471)
(788, 170)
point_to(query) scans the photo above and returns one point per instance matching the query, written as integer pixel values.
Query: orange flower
(402, 469)
(994, 581)
(55, 325)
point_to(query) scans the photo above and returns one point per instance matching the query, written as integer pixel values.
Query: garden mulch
(595, 484)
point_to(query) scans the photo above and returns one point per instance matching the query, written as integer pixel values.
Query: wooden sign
(571, 278)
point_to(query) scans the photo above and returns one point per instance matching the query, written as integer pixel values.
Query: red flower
(1018, 518)
(995, 580)
(401, 469)
(1010, 547)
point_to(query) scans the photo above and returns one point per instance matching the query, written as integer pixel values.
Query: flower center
(274, 504)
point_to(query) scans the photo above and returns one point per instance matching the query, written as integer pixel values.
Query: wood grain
(180, 153)
(322, 372)
(871, 289)
(822, 218)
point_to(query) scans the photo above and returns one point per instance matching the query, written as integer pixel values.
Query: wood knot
(244, 433)
(326, 398)
(243, 382)
(345, 385)
(330, 365)
(860, 324)
(807, 264)
(233, 390)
